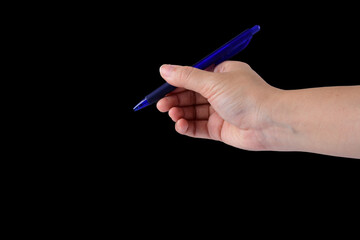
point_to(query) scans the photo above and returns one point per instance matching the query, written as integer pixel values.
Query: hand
(233, 104)
(228, 103)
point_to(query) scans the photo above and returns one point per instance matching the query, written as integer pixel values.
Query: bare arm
(233, 104)
(322, 120)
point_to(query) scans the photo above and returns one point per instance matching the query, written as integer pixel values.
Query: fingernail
(166, 70)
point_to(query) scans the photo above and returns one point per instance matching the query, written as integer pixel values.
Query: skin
(233, 104)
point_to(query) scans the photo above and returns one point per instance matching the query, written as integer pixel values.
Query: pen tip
(140, 105)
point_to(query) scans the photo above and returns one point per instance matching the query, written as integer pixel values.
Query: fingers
(229, 66)
(198, 129)
(181, 99)
(210, 68)
(177, 90)
(188, 77)
(200, 112)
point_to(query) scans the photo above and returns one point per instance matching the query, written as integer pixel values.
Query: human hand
(230, 103)
(233, 104)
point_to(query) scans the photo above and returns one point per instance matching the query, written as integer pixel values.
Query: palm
(195, 117)
(232, 135)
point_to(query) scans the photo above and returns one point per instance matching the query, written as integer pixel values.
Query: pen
(226, 51)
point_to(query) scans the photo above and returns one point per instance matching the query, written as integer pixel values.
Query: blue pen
(228, 50)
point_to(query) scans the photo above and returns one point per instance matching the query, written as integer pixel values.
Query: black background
(109, 59)
(297, 47)
(84, 157)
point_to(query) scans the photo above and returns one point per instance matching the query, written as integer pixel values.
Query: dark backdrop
(95, 160)
(295, 48)
(113, 54)
(141, 154)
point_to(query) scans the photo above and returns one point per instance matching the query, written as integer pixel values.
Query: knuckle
(245, 66)
(185, 73)
(228, 66)
(211, 86)
(224, 66)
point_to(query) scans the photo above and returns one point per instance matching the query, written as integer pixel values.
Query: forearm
(322, 120)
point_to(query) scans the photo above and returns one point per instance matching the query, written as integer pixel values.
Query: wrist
(279, 131)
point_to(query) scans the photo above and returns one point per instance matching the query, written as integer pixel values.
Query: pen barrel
(228, 50)
(159, 93)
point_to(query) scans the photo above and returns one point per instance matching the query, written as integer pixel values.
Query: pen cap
(255, 29)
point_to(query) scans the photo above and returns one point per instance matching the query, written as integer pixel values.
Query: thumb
(188, 77)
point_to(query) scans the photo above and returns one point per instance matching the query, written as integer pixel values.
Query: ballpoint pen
(228, 50)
